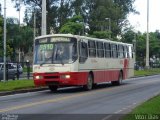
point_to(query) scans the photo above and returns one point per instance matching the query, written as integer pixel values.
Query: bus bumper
(60, 79)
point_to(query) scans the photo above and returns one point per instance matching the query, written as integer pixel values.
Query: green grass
(150, 108)
(16, 85)
(147, 72)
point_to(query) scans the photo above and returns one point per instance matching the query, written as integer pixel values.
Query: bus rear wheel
(119, 81)
(89, 84)
(53, 88)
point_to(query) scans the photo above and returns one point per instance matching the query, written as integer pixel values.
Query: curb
(23, 91)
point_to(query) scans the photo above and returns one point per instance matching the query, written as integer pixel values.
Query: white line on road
(107, 117)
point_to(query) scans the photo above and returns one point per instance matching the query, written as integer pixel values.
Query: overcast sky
(138, 21)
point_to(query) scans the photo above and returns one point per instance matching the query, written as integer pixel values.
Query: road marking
(107, 117)
(52, 100)
(118, 111)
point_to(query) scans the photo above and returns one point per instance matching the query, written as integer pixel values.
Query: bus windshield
(55, 51)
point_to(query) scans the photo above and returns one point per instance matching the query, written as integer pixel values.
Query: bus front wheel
(89, 84)
(53, 88)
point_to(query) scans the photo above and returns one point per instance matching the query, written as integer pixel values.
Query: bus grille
(52, 83)
(51, 77)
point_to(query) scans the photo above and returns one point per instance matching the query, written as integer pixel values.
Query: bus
(71, 60)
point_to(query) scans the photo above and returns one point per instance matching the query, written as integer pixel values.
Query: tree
(57, 13)
(101, 34)
(18, 38)
(73, 26)
(93, 13)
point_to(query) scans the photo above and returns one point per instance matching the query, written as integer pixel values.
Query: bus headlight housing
(65, 76)
(38, 77)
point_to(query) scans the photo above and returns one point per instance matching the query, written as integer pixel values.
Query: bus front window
(55, 53)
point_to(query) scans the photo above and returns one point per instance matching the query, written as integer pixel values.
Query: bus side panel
(106, 76)
(128, 70)
(82, 78)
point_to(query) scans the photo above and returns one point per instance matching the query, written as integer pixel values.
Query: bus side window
(114, 51)
(126, 51)
(92, 48)
(120, 51)
(100, 50)
(130, 52)
(107, 50)
(83, 52)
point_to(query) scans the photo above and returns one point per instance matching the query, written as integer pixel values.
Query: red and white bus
(72, 60)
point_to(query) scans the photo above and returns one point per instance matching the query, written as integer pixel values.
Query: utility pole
(43, 29)
(19, 10)
(34, 35)
(147, 38)
(4, 45)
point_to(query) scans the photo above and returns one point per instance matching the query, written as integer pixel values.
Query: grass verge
(149, 110)
(16, 85)
(147, 72)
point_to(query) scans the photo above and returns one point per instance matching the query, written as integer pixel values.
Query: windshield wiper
(61, 59)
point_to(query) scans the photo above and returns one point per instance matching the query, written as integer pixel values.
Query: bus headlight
(38, 77)
(65, 76)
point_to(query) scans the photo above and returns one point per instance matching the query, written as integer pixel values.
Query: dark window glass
(114, 51)
(126, 51)
(100, 50)
(120, 51)
(107, 50)
(83, 52)
(92, 48)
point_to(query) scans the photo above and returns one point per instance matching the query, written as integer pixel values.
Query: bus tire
(119, 81)
(89, 84)
(53, 88)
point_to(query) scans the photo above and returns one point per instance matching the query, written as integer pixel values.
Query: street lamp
(109, 20)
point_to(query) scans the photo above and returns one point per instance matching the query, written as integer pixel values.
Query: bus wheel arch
(90, 81)
(120, 78)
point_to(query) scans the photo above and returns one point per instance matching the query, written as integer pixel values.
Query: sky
(138, 21)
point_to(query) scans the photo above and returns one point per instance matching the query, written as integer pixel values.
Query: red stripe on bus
(76, 78)
(125, 70)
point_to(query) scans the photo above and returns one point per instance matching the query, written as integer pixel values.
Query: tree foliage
(154, 44)
(73, 26)
(18, 37)
(93, 13)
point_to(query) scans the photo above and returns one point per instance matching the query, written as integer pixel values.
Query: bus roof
(82, 37)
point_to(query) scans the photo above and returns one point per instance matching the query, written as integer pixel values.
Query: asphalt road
(103, 103)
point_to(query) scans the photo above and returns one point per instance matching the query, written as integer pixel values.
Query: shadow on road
(79, 89)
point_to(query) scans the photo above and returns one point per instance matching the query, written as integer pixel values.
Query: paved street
(100, 103)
